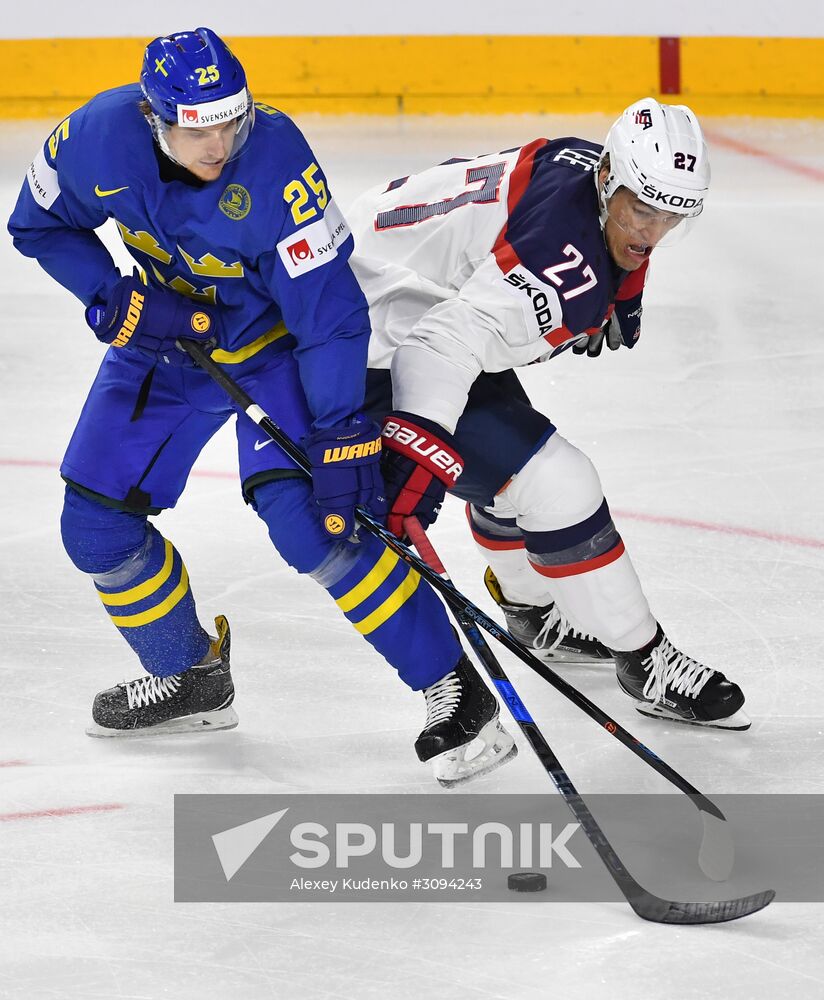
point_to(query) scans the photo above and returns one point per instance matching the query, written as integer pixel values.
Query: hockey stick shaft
(530, 729)
(451, 595)
(644, 903)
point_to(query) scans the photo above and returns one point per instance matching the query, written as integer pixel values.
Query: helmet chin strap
(603, 195)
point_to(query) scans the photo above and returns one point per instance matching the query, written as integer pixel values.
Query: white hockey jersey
(485, 264)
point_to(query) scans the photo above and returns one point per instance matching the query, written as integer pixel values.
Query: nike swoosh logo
(105, 194)
(262, 444)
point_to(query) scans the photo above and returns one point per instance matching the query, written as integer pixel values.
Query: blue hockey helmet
(192, 79)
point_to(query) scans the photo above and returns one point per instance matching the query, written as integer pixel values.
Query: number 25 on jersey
(297, 196)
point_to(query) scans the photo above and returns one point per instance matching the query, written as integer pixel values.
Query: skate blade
(202, 722)
(737, 722)
(562, 657)
(490, 749)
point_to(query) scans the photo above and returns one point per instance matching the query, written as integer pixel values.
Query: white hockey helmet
(658, 152)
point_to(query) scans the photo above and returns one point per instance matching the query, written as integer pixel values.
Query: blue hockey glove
(346, 473)
(151, 320)
(420, 463)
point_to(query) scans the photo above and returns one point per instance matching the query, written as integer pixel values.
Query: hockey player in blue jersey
(241, 246)
(483, 264)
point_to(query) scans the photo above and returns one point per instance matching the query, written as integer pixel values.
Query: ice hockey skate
(668, 684)
(463, 736)
(198, 699)
(544, 631)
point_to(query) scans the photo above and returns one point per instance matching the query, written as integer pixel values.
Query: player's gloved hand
(346, 473)
(594, 343)
(420, 462)
(622, 329)
(151, 320)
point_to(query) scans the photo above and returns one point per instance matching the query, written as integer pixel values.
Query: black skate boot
(197, 699)
(544, 631)
(668, 684)
(462, 719)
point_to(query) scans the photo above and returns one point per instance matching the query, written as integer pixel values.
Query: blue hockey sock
(387, 602)
(141, 580)
(151, 603)
(398, 613)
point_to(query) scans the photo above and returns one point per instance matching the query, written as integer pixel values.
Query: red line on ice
(62, 811)
(13, 763)
(718, 139)
(677, 522)
(726, 529)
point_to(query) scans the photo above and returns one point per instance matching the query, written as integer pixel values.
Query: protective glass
(192, 135)
(644, 224)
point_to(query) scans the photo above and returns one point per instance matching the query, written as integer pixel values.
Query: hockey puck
(526, 882)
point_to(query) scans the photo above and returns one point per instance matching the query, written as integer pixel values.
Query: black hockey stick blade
(664, 911)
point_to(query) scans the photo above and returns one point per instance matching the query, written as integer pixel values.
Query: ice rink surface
(709, 438)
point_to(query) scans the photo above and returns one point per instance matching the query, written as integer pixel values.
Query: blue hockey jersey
(265, 243)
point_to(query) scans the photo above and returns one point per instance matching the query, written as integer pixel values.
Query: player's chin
(208, 171)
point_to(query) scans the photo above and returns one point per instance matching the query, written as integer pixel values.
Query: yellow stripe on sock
(370, 583)
(385, 611)
(142, 589)
(152, 615)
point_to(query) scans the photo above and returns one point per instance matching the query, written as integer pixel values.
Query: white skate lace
(150, 689)
(552, 618)
(442, 698)
(670, 668)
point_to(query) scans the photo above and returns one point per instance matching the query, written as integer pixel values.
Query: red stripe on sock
(573, 569)
(488, 543)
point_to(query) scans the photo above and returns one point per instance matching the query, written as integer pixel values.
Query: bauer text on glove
(420, 462)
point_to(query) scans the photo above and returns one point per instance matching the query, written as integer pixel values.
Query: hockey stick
(716, 853)
(643, 902)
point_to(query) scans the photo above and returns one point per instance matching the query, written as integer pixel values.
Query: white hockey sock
(519, 582)
(608, 603)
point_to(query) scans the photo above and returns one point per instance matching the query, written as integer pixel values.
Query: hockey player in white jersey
(478, 266)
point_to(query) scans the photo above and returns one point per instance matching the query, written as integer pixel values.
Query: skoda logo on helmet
(670, 201)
